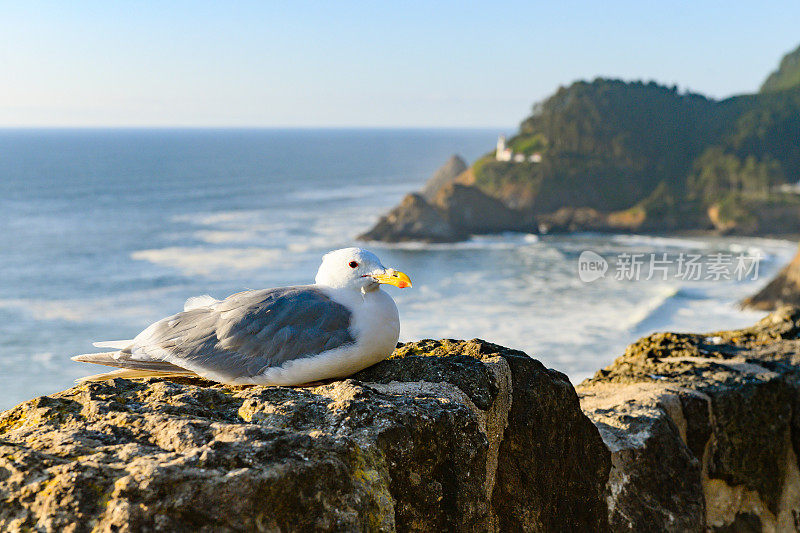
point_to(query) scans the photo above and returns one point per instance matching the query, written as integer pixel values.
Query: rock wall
(704, 430)
(684, 432)
(444, 436)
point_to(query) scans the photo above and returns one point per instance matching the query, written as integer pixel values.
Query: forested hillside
(787, 75)
(675, 158)
(611, 155)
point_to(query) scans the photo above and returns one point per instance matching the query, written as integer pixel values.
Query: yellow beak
(393, 277)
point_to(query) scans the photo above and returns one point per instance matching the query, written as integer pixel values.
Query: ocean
(104, 231)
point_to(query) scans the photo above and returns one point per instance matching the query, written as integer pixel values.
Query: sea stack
(445, 175)
(446, 210)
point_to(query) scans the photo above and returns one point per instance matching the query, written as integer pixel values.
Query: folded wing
(243, 335)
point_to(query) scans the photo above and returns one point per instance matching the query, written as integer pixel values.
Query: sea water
(104, 231)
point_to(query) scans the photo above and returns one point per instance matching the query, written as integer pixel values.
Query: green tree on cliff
(609, 144)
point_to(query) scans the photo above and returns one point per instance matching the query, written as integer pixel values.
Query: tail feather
(114, 359)
(132, 373)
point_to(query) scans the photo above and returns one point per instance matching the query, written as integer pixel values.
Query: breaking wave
(200, 261)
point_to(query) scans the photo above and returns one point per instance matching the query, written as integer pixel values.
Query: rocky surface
(445, 175)
(454, 213)
(704, 430)
(413, 220)
(447, 209)
(568, 219)
(784, 289)
(472, 212)
(684, 432)
(451, 207)
(444, 436)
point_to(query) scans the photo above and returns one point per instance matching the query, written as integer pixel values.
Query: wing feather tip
(196, 302)
(98, 358)
(119, 345)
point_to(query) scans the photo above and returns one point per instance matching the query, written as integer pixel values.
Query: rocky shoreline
(683, 432)
(447, 209)
(624, 156)
(784, 289)
(451, 207)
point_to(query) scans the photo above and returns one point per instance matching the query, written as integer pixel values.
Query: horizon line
(235, 127)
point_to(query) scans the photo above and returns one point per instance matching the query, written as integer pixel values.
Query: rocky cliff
(444, 176)
(642, 157)
(684, 432)
(704, 430)
(784, 289)
(444, 436)
(446, 210)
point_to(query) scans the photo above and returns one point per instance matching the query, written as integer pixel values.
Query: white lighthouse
(502, 153)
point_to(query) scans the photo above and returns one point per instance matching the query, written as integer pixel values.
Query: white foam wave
(213, 219)
(81, 311)
(508, 241)
(200, 261)
(221, 237)
(767, 253)
(44, 358)
(650, 309)
(46, 310)
(660, 242)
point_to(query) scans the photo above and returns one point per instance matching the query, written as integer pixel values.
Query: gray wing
(248, 332)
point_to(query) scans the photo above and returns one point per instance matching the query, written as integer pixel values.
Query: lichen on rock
(445, 435)
(702, 428)
(684, 432)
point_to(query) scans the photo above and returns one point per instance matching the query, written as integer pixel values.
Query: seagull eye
(353, 264)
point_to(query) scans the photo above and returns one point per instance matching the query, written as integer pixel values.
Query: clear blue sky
(338, 63)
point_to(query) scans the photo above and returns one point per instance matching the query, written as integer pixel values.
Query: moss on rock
(427, 440)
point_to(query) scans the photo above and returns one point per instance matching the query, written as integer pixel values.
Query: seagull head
(357, 269)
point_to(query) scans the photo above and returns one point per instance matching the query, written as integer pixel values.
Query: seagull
(283, 336)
